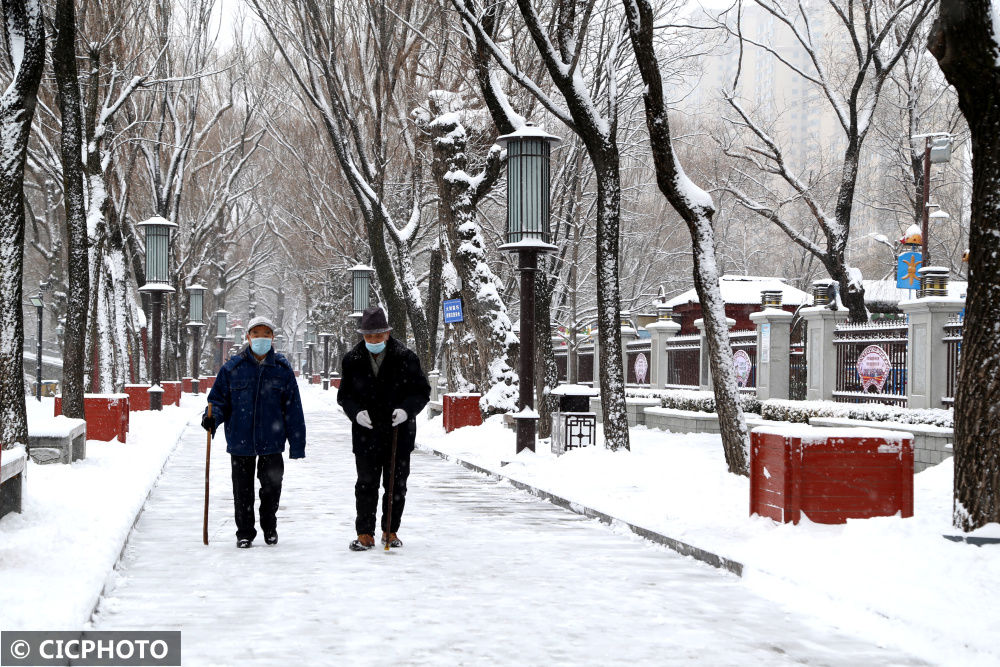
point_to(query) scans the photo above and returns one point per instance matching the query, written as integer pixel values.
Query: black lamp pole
(528, 150)
(39, 305)
(157, 231)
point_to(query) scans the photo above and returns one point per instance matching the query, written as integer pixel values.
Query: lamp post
(528, 150)
(326, 359)
(157, 231)
(39, 305)
(361, 284)
(279, 342)
(937, 150)
(221, 324)
(237, 335)
(298, 355)
(196, 308)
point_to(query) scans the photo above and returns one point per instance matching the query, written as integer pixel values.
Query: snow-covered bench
(931, 444)
(12, 465)
(57, 440)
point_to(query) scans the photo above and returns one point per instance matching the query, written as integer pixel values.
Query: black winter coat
(400, 383)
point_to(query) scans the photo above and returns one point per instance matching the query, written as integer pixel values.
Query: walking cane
(208, 460)
(392, 485)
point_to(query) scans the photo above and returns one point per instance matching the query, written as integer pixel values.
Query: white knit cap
(260, 319)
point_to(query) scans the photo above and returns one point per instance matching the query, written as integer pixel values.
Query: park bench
(57, 440)
(12, 474)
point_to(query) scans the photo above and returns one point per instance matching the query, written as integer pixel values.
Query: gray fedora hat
(373, 321)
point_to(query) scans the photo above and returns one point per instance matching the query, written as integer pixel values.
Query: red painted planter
(186, 385)
(335, 382)
(317, 378)
(138, 397)
(107, 415)
(461, 410)
(205, 383)
(172, 392)
(831, 475)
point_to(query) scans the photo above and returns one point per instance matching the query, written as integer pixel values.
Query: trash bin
(574, 425)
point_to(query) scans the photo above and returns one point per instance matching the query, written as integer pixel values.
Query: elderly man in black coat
(382, 389)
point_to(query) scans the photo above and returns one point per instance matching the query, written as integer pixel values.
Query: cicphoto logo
(90, 648)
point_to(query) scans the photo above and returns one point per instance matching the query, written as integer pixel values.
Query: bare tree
(592, 112)
(695, 206)
(965, 40)
(23, 42)
(878, 34)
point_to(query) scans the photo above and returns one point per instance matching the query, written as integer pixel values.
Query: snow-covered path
(488, 575)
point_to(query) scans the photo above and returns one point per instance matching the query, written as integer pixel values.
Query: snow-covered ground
(889, 582)
(56, 555)
(894, 580)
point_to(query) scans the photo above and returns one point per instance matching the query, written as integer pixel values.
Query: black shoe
(244, 544)
(271, 537)
(363, 543)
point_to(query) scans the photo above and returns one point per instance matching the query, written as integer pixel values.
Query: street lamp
(221, 324)
(326, 359)
(298, 355)
(528, 151)
(361, 283)
(39, 305)
(196, 308)
(937, 150)
(157, 232)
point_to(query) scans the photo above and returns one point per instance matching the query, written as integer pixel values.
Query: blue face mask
(375, 348)
(260, 346)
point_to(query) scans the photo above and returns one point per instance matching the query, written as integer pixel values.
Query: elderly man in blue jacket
(256, 396)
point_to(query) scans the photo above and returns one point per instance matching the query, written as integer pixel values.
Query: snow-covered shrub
(689, 399)
(801, 411)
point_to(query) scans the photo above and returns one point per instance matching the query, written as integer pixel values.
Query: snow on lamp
(361, 282)
(528, 152)
(157, 231)
(196, 304)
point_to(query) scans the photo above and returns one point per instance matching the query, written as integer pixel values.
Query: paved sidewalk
(489, 575)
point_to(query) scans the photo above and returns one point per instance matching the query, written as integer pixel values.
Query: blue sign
(453, 311)
(906, 270)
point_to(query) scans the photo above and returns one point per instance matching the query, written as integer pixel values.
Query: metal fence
(683, 357)
(953, 344)
(871, 362)
(744, 346)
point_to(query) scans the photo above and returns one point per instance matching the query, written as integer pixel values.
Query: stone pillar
(926, 353)
(432, 379)
(774, 335)
(660, 331)
(597, 360)
(705, 368)
(821, 364)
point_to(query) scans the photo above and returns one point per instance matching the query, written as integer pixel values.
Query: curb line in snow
(135, 520)
(682, 548)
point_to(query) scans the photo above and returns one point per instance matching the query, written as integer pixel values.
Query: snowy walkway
(488, 575)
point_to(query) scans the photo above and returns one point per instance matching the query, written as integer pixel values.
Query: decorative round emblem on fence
(743, 367)
(641, 366)
(873, 368)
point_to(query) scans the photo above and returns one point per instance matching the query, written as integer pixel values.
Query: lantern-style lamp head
(361, 284)
(238, 332)
(298, 346)
(196, 304)
(221, 323)
(280, 341)
(36, 300)
(528, 151)
(157, 231)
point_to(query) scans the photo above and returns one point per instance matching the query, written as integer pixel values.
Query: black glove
(208, 423)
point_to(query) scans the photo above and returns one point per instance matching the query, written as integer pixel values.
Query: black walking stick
(208, 460)
(392, 485)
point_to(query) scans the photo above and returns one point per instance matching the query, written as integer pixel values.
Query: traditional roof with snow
(746, 290)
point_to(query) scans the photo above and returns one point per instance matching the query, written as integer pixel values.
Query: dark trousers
(270, 470)
(371, 466)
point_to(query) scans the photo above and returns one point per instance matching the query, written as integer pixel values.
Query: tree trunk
(78, 288)
(433, 307)
(697, 209)
(609, 332)
(24, 30)
(965, 43)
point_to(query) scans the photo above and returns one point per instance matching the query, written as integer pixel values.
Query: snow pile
(895, 581)
(56, 555)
